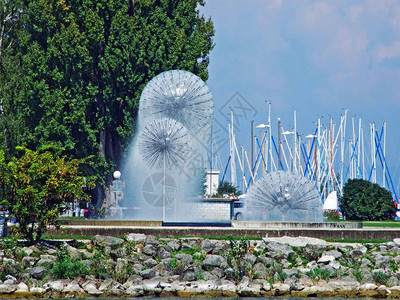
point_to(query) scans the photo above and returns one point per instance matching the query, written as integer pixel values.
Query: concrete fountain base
(261, 224)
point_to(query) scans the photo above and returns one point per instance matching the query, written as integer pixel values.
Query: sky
(317, 57)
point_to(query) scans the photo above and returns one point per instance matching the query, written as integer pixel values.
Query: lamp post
(117, 185)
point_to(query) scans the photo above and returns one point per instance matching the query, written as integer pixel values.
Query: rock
(228, 289)
(185, 259)
(164, 252)
(312, 252)
(326, 259)
(138, 238)
(279, 251)
(267, 261)
(45, 262)
(109, 285)
(29, 261)
(335, 265)
(393, 281)
(217, 272)
(149, 250)
(260, 271)
(150, 262)
(250, 258)
(296, 241)
(358, 252)
(152, 240)
(11, 279)
(365, 262)
(148, 274)
(281, 288)
(57, 285)
(133, 280)
(208, 246)
(107, 240)
(382, 260)
(90, 287)
(73, 252)
(121, 266)
(212, 261)
(336, 254)
(37, 272)
(345, 283)
(135, 291)
(46, 256)
(151, 287)
(22, 287)
(7, 288)
(221, 247)
(28, 251)
(189, 275)
(73, 287)
(160, 268)
(175, 245)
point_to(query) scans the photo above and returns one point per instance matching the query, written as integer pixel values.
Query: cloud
(386, 52)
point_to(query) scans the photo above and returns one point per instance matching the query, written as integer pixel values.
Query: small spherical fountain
(284, 196)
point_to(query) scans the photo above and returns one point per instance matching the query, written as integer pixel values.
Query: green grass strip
(388, 224)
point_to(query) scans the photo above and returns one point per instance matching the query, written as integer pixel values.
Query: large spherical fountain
(284, 196)
(178, 95)
(173, 140)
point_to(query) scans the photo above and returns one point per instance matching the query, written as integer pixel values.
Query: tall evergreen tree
(78, 67)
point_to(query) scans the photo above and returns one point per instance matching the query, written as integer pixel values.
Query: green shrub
(366, 201)
(332, 215)
(67, 267)
(380, 277)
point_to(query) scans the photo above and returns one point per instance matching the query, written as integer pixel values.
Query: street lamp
(117, 186)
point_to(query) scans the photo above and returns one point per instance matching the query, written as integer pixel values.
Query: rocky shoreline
(141, 265)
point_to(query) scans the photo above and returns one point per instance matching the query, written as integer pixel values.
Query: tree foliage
(226, 187)
(36, 186)
(75, 70)
(363, 200)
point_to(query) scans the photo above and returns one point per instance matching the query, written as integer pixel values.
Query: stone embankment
(141, 265)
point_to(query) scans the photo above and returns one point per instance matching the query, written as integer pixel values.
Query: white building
(212, 181)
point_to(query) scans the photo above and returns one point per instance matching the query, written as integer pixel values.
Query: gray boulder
(175, 245)
(73, 287)
(149, 250)
(138, 238)
(382, 260)
(208, 246)
(29, 261)
(90, 287)
(189, 275)
(107, 240)
(260, 271)
(57, 285)
(150, 262)
(164, 252)
(185, 259)
(212, 261)
(152, 240)
(37, 272)
(279, 251)
(7, 288)
(148, 274)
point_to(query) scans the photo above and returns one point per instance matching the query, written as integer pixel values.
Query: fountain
(163, 169)
(284, 196)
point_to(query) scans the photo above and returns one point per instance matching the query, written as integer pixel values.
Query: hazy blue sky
(319, 57)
